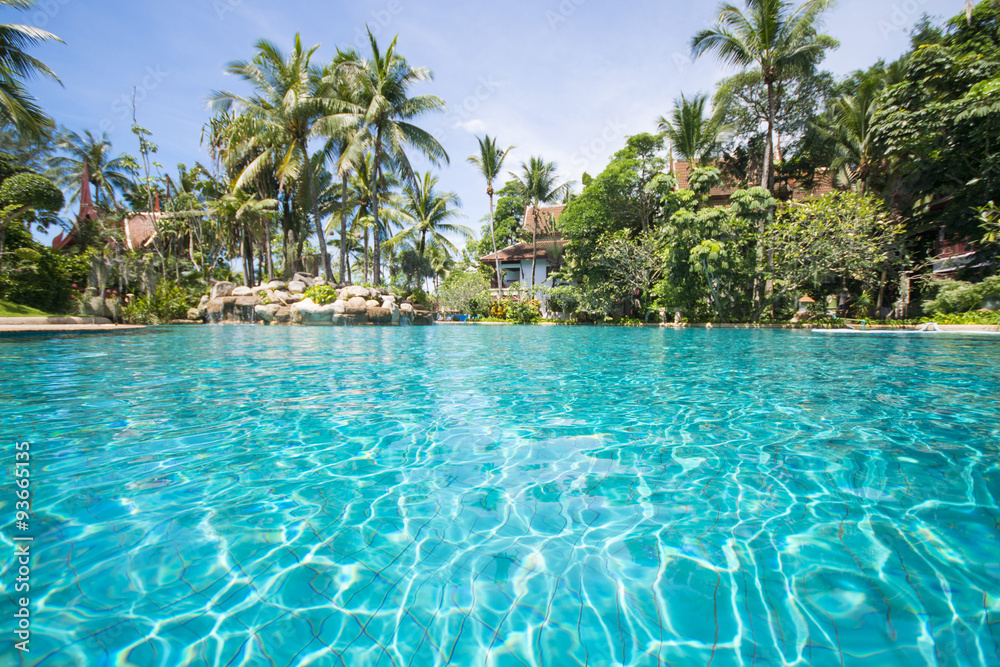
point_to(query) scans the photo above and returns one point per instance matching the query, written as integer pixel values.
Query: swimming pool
(506, 496)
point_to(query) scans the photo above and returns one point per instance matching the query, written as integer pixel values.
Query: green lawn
(8, 309)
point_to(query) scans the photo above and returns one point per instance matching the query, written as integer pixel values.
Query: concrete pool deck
(42, 326)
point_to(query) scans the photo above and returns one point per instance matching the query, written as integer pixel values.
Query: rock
(297, 287)
(389, 298)
(266, 313)
(372, 303)
(242, 291)
(340, 306)
(258, 290)
(222, 309)
(406, 308)
(379, 315)
(307, 278)
(221, 289)
(279, 296)
(203, 302)
(194, 314)
(395, 314)
(318, 282)
(356, 306)
(283, 315)
(295, 298)
(342, 294)
(202, 309)
(308, 312)
(356, 290)
(276, 285)
(244, 301)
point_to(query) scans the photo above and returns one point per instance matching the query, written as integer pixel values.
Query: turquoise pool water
(506, 496)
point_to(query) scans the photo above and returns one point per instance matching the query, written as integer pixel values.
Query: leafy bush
(989, 317)
(169, 302)
(321, 294)
(498, 310)
(461, 291)
(524, 312)
(37, 276)
(956, 296)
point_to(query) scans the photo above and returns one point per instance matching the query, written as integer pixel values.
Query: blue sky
(564, 79)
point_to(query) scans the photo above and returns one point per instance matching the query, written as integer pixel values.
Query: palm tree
(379, 86)
(17, 107)
(490, 162)
(428, 213)
(537, 184)
(773, 36)
(92, 155)
(691, 134)
(243, 213)
(291, 105)
(850, 121)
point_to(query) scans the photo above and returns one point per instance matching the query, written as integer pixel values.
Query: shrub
(524, 312)
(461, 291)
(956, 296)
(498, 310)
(321, 294)
(169, 302)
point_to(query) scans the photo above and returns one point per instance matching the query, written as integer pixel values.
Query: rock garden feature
(308, 301)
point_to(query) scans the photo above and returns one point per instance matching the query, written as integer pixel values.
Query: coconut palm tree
(774, 36)
(428, 213)
(290, 106)
(537, 184)
(244, 213)
(849, 124)
(490, 162)
(380, 86)
(17, 107)
(691, 134)
(92, 155)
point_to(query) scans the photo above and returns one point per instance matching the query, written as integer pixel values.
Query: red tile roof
(522, 251)
(140, 229)
(548, 215)
(721, 193)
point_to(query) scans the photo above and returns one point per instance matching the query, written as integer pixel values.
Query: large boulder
(266, 313)
(259, 289)
(242, 291)
(340, 306)
(388, 301)
(406, 308)
(279, 296)
(395, 314)
(276, 285)
(307, 278)
(309, 312)
(356, 305)
(318, 281)
(222, 309)
(297, 287)
(357, 290)
(372, 303)
(193, 314)
(379, 315)
(283, 315)
(221, 289)
(295, 298)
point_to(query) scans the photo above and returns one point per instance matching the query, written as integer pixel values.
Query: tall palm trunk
(534, 246)
(313, 205)
(343, 226)
(493, 235)
(268, 260)
(377, 249)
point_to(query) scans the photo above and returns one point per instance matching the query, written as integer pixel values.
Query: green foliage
(38, 276)
(169, 301)
(463, 292)
(321, 294)
(524, 311)
(956, 296)
(990, 317)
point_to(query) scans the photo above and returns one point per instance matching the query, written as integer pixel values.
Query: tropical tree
(490, 162)
(244, 213)
(26, 196)
(428, 214)
(850, 125)
(291, 105)
(537, 183)
(774, 36)
(17, 107)
(92, 155)
(379, 86)
(691, 134)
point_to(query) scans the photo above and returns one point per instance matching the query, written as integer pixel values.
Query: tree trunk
(247, 257)
(493, 235)
(268, 260)
(364, 265)
(343, 226)
(768, 178)
(534, 247)
(320, 238)
(377, 185)
(3, 236)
